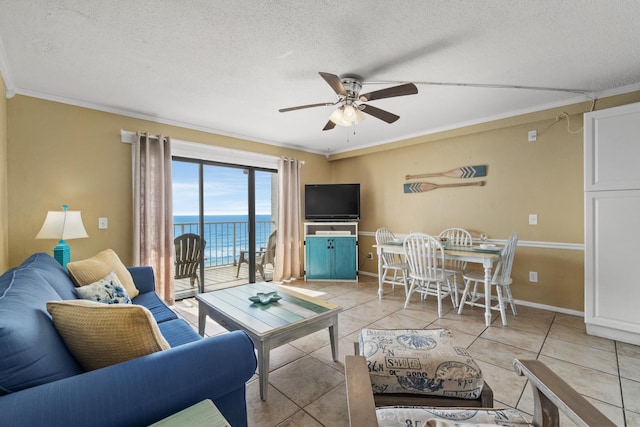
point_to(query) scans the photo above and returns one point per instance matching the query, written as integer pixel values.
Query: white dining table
(473, 254)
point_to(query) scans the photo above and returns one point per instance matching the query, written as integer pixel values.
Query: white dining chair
(501, 280)
(458, 237)
(425, 256)
(392, 262)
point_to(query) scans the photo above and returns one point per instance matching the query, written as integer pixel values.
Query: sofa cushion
(158, 308)
(178, 332)
(420, 361)
(100, 335)
(31, 351)
(107, 290)
(51, 272)
(92, 269)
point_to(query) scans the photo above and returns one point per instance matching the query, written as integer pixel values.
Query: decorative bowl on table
(265, 298)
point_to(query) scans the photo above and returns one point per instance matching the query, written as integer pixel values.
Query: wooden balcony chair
(188, 249)
(551, 395)
(266, 255)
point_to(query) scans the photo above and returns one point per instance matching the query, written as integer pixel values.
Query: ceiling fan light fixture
(359, 116)
(337, 117)
(352, 104)
(346, 116)
(348, 111)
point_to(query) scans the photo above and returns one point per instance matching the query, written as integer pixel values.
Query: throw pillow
(100, 335)
(107, 290)
(92, 269)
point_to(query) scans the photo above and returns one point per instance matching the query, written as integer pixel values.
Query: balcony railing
(225, 240)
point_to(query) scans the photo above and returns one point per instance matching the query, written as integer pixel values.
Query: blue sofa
(41, 384)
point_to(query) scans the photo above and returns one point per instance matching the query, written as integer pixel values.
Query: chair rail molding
(521, 243)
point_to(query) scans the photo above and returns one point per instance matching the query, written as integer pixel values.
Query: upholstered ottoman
(420, 367)
(397, 416)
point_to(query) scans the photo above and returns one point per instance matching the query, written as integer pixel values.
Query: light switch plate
(533, 219)
(103, 223)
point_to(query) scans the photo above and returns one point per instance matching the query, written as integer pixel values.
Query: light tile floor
(306, 387)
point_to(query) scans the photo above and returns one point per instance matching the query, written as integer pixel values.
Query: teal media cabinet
(331, 251)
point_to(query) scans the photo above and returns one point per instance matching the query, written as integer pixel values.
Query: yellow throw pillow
(100, 335)
(90, 270)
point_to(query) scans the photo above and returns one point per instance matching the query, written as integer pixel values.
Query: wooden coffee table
(271, 325)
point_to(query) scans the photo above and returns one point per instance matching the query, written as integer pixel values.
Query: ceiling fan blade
(300, 107)
(330, 125)
(378, 113)
(390, 92)
(335, 83)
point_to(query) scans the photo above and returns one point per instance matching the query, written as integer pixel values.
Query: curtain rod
(215, 153)
(287, 159)
(128, 137)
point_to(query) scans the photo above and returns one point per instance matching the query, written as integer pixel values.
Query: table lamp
(62, 225)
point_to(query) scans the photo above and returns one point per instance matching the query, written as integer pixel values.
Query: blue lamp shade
(62, 225)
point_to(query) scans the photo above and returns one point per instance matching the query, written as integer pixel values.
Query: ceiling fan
(352, 104)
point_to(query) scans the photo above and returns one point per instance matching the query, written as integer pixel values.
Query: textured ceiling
(227, 66)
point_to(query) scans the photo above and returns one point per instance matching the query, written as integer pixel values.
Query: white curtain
(153, 210)
(288, 266)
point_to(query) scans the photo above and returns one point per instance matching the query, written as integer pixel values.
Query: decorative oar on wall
(463, 172)
(421, 187)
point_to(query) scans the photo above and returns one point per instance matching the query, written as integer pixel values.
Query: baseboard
(366, 273)
(518, 302)
(550, 308)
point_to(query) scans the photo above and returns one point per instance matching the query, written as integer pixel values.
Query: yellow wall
(4, 213)
(62, 154)
(543, 177)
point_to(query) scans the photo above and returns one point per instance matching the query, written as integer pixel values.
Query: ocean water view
(225, 235)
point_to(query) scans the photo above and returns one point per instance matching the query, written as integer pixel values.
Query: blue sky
(225, 190)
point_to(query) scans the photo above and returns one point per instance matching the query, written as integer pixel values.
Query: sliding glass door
(232, 209)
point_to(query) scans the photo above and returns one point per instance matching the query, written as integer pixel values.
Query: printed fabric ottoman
(419, 361)
(404, 416)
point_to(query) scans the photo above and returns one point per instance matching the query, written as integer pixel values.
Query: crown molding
(12, 90)
(127, 113)
(618, 91)
(5, 71)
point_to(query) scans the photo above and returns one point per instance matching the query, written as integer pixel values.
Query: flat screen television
(332, 202)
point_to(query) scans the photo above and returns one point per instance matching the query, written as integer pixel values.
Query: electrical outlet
(103, 223)
(533, 276)
(370, 255)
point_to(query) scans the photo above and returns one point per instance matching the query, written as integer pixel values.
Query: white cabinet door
(612, 148)
(612, 261)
